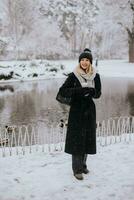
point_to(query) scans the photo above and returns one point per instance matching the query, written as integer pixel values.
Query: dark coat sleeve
(97, 86)
(68, 88)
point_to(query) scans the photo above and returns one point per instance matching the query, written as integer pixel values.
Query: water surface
(35, 101)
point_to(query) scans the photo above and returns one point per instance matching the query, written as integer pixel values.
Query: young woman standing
(81, 87)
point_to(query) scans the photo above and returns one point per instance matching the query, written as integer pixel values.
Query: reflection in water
(130, 98)
(2, 104)
(23, 108)
(7, 87)
(113, 100)
(35, 101)
(4, 88)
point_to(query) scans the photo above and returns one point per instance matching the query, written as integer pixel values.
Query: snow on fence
(22, 139)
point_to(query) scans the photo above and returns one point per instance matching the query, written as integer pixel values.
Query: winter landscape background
(48, 29)
(40, 42)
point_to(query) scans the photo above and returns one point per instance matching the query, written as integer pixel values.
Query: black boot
(85, 170)
(79, 176)
(77, 166)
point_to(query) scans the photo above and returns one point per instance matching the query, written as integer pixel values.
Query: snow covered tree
(107, 34)
(129, 26)
(74, 18)
(19, 20)
(3, 45)
(62, 29)
(112, 15)
(130, 32)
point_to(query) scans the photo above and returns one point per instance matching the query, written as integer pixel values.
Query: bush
(6, 77)
(35, 75)
(62, 67)
(53, 69)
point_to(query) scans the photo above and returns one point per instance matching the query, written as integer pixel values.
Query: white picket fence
(22, 139)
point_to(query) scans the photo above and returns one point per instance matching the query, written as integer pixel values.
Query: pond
(31, 102)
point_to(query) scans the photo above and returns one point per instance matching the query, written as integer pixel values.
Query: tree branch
(126, 28)
(128, 31)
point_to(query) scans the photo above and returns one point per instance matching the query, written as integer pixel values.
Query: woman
(81, 87)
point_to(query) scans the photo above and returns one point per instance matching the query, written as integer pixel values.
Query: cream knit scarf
(86, 79)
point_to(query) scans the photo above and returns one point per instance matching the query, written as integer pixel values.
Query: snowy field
(42, 176)
(37, 69)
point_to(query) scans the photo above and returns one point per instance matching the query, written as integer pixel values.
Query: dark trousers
(79, 163)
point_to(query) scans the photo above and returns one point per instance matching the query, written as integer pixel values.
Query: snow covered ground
(48, 176)
(37, 69)
(43, 176)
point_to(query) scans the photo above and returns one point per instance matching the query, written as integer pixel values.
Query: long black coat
(81, 131)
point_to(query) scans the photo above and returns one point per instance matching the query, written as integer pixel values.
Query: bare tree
(20, 18)
(75, 20)
(131, 35)
(130, 32)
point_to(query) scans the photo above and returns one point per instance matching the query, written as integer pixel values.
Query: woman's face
(85, 63)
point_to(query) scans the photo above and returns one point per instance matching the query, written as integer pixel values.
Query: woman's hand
(88, 91)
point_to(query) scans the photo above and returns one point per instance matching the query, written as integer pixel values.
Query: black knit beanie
(86, 54)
